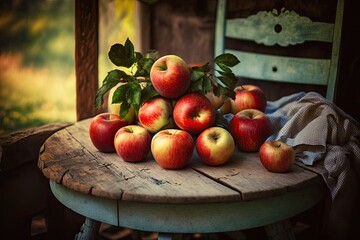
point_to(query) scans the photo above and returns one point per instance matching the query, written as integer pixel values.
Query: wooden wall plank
(86, 57)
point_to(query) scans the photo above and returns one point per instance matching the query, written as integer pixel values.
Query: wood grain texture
(23, 146)
(68, 157)
(86, 57)
(245, 174)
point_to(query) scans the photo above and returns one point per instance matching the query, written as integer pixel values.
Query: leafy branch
(138, 87)
(203, 81)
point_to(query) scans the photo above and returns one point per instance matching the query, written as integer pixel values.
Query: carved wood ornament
(283, 28)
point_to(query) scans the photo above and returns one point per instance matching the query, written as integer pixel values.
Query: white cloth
(317, 129)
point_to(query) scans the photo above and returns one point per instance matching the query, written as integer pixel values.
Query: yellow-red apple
(215, 146)
(155, 114)
(172, 148)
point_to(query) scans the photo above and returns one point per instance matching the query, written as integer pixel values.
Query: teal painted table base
(171, 220)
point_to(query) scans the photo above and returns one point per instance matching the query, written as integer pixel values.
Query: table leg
(89, 230)
(282, 230)
(170, 236)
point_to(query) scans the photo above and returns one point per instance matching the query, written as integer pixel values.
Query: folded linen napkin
(319, 130)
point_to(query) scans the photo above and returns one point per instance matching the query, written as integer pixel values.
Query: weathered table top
(69, 158)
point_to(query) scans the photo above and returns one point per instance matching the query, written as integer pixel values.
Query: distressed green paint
(100, 209)
(333, 76)
(187, 217)
(282, 28)
(281, 69)
(294, 29)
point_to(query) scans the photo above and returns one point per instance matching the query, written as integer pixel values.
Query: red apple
(250, 128)
(172, 148)
(102, 130)
(155, 114)
(215, 146)
(132, 143)
(277, 156)
(248, 97)
(194, 113)
(170, 76)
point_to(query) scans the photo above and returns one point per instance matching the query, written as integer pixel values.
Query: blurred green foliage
(37, 79)
(39, 29)
(37, 44)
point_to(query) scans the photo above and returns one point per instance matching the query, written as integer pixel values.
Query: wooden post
(86, 57)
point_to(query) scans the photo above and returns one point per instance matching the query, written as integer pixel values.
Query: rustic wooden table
(196, 199)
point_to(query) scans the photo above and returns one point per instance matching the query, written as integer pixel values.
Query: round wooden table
(241, 194)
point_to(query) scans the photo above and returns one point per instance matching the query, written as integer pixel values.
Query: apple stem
(196, 115)
(129, 130)
(279, 145)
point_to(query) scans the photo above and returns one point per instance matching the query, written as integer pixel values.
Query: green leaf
(122, 56)
(124, 109)
(224, 68)
(144, 67)
(220, 90)
(195, 74)
(130, 52)
(113, 77)
(119, 95)
(228, 81)
(148, 92)
(138, 56)
(226, 59)
(203, 68)
(206, 85)
(133, 95)
(196, 86)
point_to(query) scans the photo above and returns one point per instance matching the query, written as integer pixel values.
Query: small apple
(170, 76)
(248, 97)
(194, 113)
(102, 130)
(132, 143)
(155, 114)
(226, 107)
(277, 156)
(250, 128)
(215, 146)
(216, 101)
(172, 148)
(115, 107)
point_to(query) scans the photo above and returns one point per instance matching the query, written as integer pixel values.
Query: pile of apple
(176, 122)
